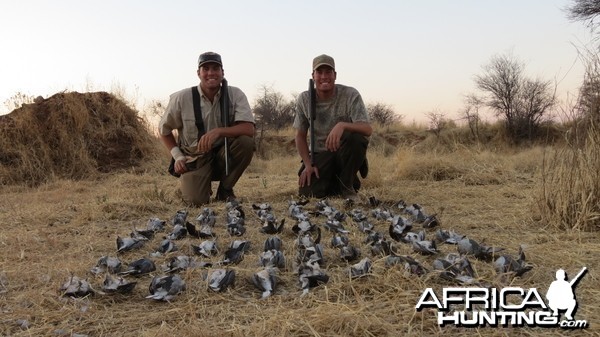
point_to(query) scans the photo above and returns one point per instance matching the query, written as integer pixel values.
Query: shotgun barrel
(225, 119)
(312, 110)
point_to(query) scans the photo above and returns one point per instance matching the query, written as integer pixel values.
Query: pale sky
(416, 56)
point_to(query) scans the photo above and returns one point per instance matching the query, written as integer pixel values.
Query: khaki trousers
(196, 185)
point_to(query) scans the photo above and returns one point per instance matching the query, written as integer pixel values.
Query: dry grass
(62, 227)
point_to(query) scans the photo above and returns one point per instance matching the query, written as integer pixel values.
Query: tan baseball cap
(323, 60)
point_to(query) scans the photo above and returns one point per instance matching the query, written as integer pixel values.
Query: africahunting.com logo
(509, 306)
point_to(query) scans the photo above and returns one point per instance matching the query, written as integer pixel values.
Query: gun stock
(313, 115)
(225, 119)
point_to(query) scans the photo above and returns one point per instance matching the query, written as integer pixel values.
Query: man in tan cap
(199, 154)
(341, 130)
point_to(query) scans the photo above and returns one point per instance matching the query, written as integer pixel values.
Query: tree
(584, 10)
(521, 101)
(272, 112)
(437, 122)
(382, 113)
(471, 113)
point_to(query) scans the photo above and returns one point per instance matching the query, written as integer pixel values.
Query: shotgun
(225, 119)
(312, 110)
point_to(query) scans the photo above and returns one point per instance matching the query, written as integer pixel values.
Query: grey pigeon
(118, 285)
(180, 218)
(236, 228)
(508, 264)
(235, 253)
(303, 227)
(207, 217)
(270, 226)
(76, 287)
(266, 281)
(273, 242)
(178, 232)
(357, 215)
(166, 246)
(335, 226)
(205, 232)
(272, 258)
(349, 253)
(156, 224)
(221, 279)
(166, 288)
(128, 244)
(179, 263)
(365, 226)
(409, 263)
(206, 248)
(139, 267)
(468, 246)
(107, 264)
(311, 275)
(339, 240)
(450, 237)
(361, 268)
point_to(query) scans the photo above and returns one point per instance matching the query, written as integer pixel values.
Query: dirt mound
(71, 135)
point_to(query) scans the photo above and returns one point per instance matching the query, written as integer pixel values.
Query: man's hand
(305, 176)
(333, 141)
(206, 142)
(180, 166)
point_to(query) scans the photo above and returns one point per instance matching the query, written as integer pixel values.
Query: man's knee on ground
(196, 200)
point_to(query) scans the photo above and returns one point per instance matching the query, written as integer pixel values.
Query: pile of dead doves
(215, 257)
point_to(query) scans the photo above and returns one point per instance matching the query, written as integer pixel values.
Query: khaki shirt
(179, 115)
(345, 106)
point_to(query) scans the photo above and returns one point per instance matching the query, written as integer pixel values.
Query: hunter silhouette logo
(561, 293)
(508, 306)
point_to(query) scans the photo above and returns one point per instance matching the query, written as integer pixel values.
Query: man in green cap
(341, 128)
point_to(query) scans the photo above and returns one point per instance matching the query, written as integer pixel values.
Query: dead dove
(380, 247)
(236, 228)
(156, 224)
(425, 247)
(76, 287)
(178, 232)
(365, 226)
(311, 275)
(417, 213)
(399, 227)
(235, 253)
(450, 237)
(206, 248)
(468, 246)
(107, 264)
(338, 241)
(508, 264)
(357, 215)
(166, 288)
(205, 232)
(166, 246)
(207, 217)
(409, 263)
(128, 244)
(180, 218)
(335, 226)
(349, 253)
(273, 242)
(221, 279)
(118, 285)
(179, 263)
(361, 268)
(303, 226)
(270, 226)
(265, 280)
(139, 267)
(272, 258)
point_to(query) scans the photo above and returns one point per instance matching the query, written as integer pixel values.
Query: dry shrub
(570, 195)
(71, 135)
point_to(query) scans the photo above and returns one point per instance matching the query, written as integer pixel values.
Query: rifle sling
(198, 111)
